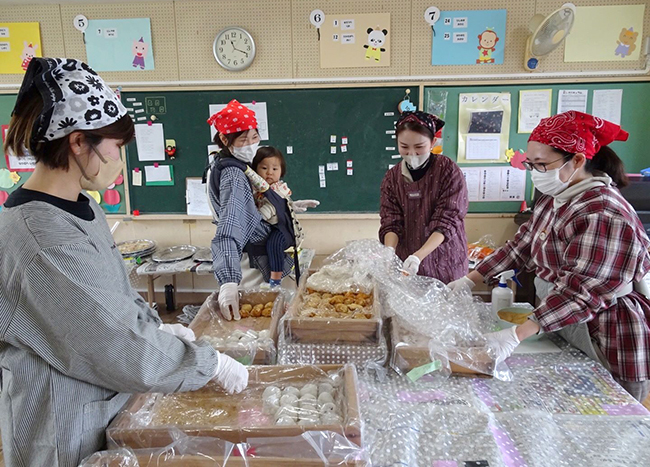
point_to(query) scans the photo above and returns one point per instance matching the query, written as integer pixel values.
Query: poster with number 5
(470, 37)
(119, 44)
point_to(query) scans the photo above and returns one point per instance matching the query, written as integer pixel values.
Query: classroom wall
(182, 34)
(183, 31)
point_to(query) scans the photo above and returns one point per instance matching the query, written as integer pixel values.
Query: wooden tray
(405, 356)
(331, 330)
(202, 325)
(123, 431)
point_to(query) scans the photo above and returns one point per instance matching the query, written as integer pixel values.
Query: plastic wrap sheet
(425, 423)
(279, 401)
(539, 439)
(448, 423)
(324, 353)
(450, 325)
(312, 448)
(250, 340)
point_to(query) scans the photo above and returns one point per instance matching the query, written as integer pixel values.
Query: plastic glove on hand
(231, 375)
(178, 330)
(503, 342)
(302, 205)
(229, 301)
(412, 265)
(461, 284)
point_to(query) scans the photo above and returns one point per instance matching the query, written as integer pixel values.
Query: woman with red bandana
(587, 247)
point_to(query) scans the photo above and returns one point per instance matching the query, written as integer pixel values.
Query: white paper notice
(157, 174)
(533, 106)
(572, 99)
(472, 176)
(513, 184)
(150, 141)
(260, 114)
(490, 180)
(607, 104)
(289, 149)
(483, 147)
(136, 178)
(196, 198)
(323, 184)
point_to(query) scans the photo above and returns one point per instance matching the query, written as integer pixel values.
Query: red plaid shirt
(590, 248)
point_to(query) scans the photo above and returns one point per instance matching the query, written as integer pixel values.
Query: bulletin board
(636, 101)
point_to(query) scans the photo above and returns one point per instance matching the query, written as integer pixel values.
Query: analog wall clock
(234, 49)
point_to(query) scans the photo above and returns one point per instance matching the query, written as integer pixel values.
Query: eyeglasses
(539, 166)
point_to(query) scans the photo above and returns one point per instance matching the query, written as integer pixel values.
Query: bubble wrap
(561, 409)
(334, 353)
(453, 323)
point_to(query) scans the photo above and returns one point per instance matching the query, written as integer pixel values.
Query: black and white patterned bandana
(74, 98)
(433, 123)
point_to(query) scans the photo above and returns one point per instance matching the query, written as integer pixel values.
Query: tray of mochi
(279, 401)
(251, 339)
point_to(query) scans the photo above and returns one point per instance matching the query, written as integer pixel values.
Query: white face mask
(246, 154)
(549, 182)
(415, 162)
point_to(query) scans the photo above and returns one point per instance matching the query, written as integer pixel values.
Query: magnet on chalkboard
(170, 148)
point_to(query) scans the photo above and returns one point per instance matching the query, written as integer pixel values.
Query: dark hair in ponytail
(605, 161)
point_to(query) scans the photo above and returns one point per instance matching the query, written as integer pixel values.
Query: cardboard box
(127, 430)
(409, 351)
(331, 330)
(202, 325)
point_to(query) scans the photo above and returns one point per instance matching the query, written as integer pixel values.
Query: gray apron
(575, 334)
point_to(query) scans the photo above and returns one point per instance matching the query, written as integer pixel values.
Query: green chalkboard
(634, 152)
(7, 102)
(304, 119)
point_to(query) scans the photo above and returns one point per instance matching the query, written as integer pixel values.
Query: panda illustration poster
(471, 37)
(355, 41)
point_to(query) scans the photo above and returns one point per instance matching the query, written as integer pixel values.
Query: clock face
(234, 49)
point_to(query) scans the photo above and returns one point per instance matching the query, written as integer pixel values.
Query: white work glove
(178, 330)
(231, 375)
(461, 284)
(229, 301)
(412, 265)
(301, 205)
(503, 342)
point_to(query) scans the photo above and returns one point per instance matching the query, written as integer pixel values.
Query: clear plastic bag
(481, 249)
(279, 401)
(437, 325)
(250, 340)
(312, 448)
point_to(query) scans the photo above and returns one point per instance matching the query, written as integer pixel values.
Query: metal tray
(139, 247)
(203, 255)
(174, 253)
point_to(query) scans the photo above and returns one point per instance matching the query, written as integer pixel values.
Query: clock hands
(235, 48)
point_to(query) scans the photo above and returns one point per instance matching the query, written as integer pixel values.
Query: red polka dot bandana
(234, 118)
(576, 132)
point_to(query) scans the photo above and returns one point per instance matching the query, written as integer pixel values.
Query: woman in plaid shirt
(587, 247)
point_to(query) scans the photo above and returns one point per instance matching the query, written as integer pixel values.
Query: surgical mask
(415, 162)
(245, 154)
(549, 182)
(108, 172)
